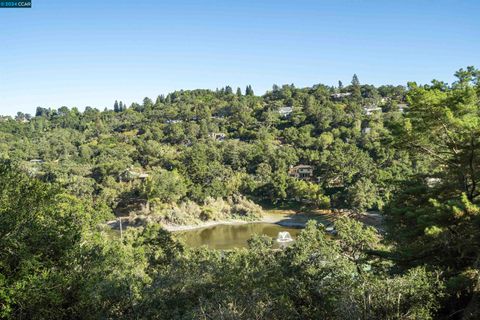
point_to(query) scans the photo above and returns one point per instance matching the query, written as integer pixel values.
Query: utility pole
(121, 230)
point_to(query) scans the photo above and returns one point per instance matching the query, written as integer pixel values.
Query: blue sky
(91, 52)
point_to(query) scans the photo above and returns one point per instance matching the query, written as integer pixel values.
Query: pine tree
(115, 106)
(239, 92)
(249, 91)
(120, 106)
(356, 92)
(147, 103)
(160, 100)
(355, 81)
(340, 85)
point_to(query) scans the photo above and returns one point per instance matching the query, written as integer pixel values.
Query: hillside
(412, 153)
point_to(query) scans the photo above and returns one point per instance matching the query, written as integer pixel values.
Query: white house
(370, 109)
(285, 111)
(402, 107)
(366, 130)
(338, 96)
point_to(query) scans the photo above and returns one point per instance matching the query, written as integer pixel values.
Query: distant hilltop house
(433, 182)
(218, 136)
(338, 96)
(402, 107)
(36, 161)
(130, 175)
(143, 176)
(285, 111)
(301, 171)
(173, 121)
(370, 109)
(366, 130)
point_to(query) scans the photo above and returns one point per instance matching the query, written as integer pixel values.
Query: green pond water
(228, 236)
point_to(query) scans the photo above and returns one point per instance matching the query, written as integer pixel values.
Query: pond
(228, 236)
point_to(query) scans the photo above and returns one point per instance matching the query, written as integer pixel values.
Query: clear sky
(91, 52)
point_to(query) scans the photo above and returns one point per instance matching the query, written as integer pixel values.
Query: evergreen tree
(147, 103)
(239, 92)
(249, 91)
(116, 107)
(355, 81)
(356, 90)
(42, 112)
(160, 100)
(137, 107)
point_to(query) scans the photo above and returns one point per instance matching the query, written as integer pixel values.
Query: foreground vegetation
(57, 263)
(163, 160)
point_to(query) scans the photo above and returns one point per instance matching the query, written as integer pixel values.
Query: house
(218, 136)
(301, 171)
(143, 176)
(366, 130)
(5, 118)
(402, 107)
(433, 182)
(173, 121)
(285, 111)
(370, 109)
(130, 175)
(339, 96)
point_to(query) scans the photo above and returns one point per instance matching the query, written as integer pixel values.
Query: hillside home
(402, 107)
(339, 96)
(218, 136)
(143, 176)
(130, 175)
(285, 111)
(301, 171)
(173, 121)
(366, 130)
(370, 109)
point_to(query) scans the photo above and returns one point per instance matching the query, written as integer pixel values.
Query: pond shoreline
(266, 219)
(287, 219)
(284, 218)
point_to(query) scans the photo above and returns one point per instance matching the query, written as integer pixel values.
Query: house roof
(285, 109)
(302, 166)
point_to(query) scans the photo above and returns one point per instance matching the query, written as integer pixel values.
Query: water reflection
(232, 236)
